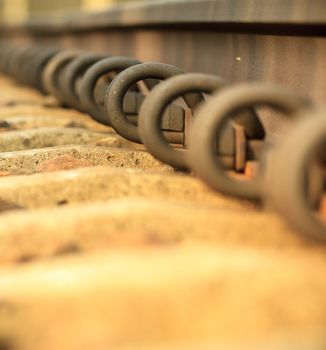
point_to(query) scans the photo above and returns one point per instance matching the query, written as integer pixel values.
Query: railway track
(144, 206)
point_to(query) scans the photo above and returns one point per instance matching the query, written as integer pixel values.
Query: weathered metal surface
(151, 115)
(289, 180)
(67, 80)
(90, 79)
(211, 120)
(119, 87)
(237, 40)
(305, 144)
(50, 73)
(196, 12)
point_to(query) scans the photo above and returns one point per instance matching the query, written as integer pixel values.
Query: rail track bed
(146, 207)
(102, 246)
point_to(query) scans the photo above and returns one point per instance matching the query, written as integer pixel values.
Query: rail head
(307, 15)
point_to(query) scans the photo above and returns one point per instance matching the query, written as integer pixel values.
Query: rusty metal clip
(70, 77)
(151, 113)
(210, 122)
(228, 146)
(54, 68)
(118, 89)
(290, 172)
(90, 79)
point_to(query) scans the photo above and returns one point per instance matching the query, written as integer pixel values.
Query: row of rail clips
(194, 122)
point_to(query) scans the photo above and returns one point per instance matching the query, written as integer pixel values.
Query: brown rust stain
(62, 163)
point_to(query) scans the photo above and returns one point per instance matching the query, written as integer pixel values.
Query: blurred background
(21, 10)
